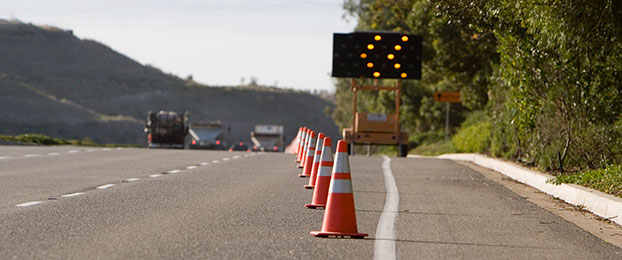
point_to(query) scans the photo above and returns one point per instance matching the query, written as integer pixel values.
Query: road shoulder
(597, 226)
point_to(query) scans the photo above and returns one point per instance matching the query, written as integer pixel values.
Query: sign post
(447, 97)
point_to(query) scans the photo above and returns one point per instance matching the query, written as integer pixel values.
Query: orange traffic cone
(310, 153)
(340, 216)
(316, 160)
(297, 140)
(320, 191)
(303, 148)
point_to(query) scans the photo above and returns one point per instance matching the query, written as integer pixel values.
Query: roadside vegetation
(539, 81)
(42, 139)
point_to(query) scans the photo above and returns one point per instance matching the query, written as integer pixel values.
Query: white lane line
(107, 149)
(384, 245)
(203, 163)
(52, 154)
(32, 155)
(247, 155)
(132, 179)
(236, 157)
(28, 204)
(155, 175)
(191, 167)
(4, 157)
(72, 195)
(74, 151)
(226, 159)
(91, 150)
(106, 186)
(215, 161)
(174, 171)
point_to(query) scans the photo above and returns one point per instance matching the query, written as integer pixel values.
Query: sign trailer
(376, 55)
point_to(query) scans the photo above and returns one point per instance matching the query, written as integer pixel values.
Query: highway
(65, 202)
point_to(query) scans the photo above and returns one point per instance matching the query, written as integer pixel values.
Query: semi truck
(269, 138)
(166, 129)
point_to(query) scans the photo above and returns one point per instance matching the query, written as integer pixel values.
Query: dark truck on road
(166, 129)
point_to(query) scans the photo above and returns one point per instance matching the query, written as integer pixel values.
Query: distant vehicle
(206, 135)
(268, 138)
(166, 129)
(239, 147)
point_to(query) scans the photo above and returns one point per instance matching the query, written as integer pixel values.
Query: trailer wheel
(403, 150)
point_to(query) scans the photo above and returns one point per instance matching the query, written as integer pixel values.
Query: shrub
(473, 139)
(607, 180)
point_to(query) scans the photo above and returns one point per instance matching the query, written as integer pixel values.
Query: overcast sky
(219, 42)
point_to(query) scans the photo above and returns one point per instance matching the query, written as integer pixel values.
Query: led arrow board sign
(377, 55)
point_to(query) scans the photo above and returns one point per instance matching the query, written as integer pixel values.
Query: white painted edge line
(203, 163)
(191, 167)
(599, 203)
(72, 195)
(106, 186)
(155, 175)
(132, 179)
(384, 245)
(28, 204)
(173, 171)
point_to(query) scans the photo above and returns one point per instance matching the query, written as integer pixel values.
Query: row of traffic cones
(331, 182)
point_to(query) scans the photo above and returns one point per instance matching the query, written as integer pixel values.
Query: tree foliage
(546, 71)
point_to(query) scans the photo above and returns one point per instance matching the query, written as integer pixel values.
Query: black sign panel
(377, 55)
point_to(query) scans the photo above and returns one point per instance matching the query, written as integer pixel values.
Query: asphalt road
(96, 203)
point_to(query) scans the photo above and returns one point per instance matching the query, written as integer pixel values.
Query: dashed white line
(72, 195)
(52, 154)
(155, 175)
(203, 163)
(106, 186)
(226, 159)
(27, 204)
(107, 149)
(236, 157)
(215, 161)
(31, 155)
(191, 167)
(384, 246)
(91, 150)
(132, 179)
(74, 151)
(174, 171)
(4, 157)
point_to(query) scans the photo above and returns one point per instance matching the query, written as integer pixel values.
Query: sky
(287, 43)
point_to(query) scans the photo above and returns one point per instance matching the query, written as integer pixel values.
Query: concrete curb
(601, 204)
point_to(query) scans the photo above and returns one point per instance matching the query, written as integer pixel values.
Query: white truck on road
(269, 138)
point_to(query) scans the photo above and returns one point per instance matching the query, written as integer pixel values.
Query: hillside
(54, 83)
